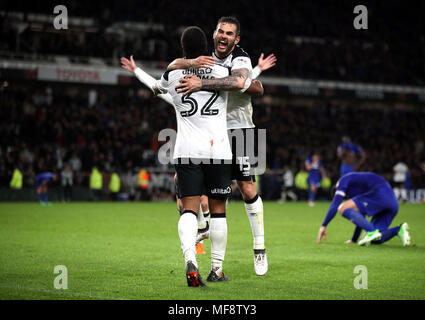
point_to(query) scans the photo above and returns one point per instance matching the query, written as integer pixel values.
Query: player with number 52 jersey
(201, 116)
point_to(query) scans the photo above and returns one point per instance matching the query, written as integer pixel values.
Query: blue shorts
(346, 168)
(314, 181)
(41, 182)
(380, 203)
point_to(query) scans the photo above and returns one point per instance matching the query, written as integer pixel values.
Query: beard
(221, 50)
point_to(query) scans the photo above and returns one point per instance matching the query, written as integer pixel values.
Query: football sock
(188, 229)
(207, 215)
(202, 222)
(358, 219)
(218, 237)
(311, 195)
(387, 235)
(403, 194)
(254, 211)
(397, 193)
(40, 197)
(44, 197)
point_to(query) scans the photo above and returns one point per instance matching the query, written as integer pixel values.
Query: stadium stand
(47, 122)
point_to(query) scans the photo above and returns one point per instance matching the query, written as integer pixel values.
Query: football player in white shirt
(246, 184)
(239, 117)
(201, 115)
(400, 174)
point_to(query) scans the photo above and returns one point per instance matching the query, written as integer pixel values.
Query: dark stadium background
(330, 80)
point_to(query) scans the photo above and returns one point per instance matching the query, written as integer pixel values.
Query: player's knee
(248, 189)
(204, 204)
(341, 208)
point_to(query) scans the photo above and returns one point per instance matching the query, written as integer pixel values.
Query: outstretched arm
(333, 209)
(145, 78)
(264, 64)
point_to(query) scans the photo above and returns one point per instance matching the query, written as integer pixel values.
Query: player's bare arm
(323, 172)
(192, 82)
(235, 81)
(255, 89)
(361, 161)
(200, 62)
(342, 153)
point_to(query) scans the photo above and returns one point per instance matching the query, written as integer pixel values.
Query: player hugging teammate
(199, 101)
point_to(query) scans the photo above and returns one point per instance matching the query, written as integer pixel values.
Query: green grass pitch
(132, 251)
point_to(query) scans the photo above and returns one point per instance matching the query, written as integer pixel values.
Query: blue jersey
(41, 177)
(371, 193)
(314, 175)
(354, 148)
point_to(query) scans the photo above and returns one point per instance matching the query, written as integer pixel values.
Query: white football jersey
(239, 106)
(400, 171)
(201, 116)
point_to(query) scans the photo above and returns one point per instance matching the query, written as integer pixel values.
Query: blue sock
(44, 197)
(387, 235)
(358, 219)
(311, 195)
(40, 197)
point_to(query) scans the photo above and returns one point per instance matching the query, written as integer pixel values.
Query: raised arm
(264, 64)
(200, 62)
(145, 78)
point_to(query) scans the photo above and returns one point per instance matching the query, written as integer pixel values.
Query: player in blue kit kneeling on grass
(367, 194)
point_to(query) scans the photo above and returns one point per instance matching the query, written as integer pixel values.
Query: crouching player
(367, 194)
(41, 182)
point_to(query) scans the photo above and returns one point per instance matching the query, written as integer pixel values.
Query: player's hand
(322, 234)
(349, 241)
(203, 62)
(129, 65)
(266, 63)
(189, 84)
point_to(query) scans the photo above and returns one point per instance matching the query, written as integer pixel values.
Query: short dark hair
(232, 20)
(194, 43)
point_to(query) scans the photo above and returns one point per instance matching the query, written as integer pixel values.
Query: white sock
(403, 194)
(202, 222)
(397, 193)
(218, 237)
(255, 215)
(188, 229)
(207, 216)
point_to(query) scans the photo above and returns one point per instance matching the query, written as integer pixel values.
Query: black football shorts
(211, 179)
